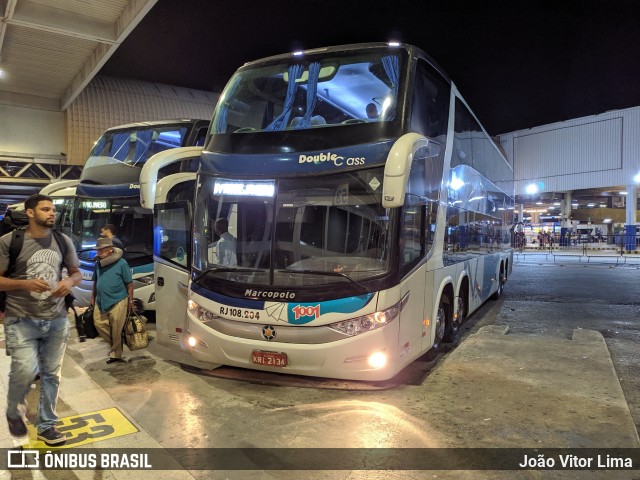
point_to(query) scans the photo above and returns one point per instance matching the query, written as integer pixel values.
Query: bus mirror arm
(397, 168)
(151, 169)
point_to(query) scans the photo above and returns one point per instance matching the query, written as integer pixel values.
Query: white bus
(368, 211)
(171, 198)
(62, 193)
(109, 193)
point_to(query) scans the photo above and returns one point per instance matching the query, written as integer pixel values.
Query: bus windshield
(293, 232)
(118, 155)
(134, 226)
(307, 92)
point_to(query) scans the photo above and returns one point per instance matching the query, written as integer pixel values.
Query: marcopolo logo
(249, 292)
(334, 158)
(134, 186)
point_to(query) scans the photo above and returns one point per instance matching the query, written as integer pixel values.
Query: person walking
(112, 296)
(35, 323)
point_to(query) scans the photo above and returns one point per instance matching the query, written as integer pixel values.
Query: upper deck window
(317, 91)
(135, 146)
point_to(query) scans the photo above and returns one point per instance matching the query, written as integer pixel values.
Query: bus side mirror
(397, 168)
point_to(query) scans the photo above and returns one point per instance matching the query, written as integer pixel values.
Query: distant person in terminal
(109, 231)
(35, 323)
(226, 246)
(112, 296)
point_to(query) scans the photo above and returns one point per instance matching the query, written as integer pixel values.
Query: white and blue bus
(368, 211)
(109, 193)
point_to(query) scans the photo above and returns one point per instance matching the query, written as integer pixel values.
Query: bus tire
(463, 309)
(502, 278)
(443, 322)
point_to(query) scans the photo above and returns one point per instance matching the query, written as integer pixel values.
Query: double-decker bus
(367, 211)
(171, 198)
(108, 192)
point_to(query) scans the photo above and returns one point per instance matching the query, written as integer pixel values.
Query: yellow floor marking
(87, 428)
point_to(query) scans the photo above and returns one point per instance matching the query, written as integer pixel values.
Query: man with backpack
(36, 325)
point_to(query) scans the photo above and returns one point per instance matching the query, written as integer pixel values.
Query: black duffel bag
(84, 324)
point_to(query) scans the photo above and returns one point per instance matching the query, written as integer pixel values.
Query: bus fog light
(378, 360)
(192, 341)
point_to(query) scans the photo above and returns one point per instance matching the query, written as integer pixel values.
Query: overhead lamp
(532, 189)
(637, 178)
(622, 193)
(2, 73)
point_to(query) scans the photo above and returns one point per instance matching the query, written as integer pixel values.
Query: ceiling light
(637, 178)
(532, 188)
(591, 204)
(538, 203)
(623, 193)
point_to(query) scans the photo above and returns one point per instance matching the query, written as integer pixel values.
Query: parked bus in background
(62, 193)
(109, 193)
(360, 241)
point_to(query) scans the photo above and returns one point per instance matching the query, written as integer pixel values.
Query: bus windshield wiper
(210, 271)
(330, 274)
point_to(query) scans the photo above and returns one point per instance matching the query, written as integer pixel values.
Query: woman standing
(112, 296)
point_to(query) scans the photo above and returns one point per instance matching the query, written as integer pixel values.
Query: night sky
(518, 63)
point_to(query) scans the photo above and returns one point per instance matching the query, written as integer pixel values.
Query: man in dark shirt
(109, 231)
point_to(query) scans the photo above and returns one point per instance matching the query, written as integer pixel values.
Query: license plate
(269, 359)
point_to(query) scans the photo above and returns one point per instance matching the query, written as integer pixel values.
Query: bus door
(172, 263)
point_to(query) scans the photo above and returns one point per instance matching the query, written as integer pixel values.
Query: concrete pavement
(495, 390)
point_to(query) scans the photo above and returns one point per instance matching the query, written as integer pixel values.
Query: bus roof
(156, 123)
(411, 49)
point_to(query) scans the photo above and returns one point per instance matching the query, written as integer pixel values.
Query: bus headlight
(199, 312)
(147, 280)
(366, 323)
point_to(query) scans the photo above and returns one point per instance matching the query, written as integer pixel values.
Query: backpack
(15, 247)
(12, 220)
